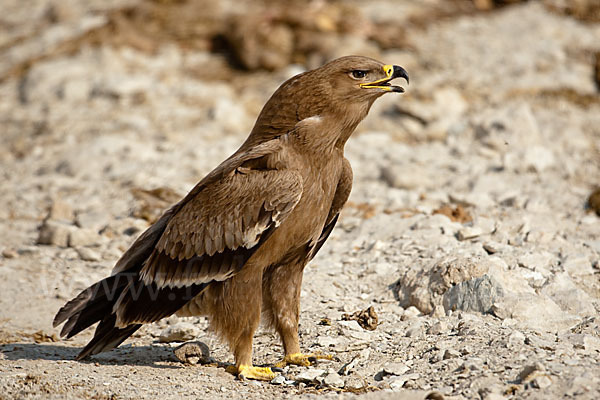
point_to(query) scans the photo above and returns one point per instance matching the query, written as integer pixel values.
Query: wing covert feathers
(216, 231)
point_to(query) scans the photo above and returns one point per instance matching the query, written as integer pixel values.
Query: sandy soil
(468, 231)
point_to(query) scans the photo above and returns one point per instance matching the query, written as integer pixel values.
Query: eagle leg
(281, 302)
(251, 372)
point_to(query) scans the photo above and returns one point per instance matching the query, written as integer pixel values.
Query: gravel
(471, 229)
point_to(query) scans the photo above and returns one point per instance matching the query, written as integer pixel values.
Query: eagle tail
(96, 304)
(107, 337)
(123, 295)
(90, 306)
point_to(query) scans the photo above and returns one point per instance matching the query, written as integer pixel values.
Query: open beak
(391, 72)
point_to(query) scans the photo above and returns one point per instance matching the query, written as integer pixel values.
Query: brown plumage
(237, 244)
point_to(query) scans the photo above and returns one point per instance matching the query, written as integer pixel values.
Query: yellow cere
(389, 70)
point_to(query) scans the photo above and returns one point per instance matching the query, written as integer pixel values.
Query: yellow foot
(303, 360)
(252, 372)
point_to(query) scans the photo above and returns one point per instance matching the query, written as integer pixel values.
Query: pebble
(193, 353)
(451, 353)
(416, 329)
(410, 313)
(83, 237)
(395, 368)
(278, 380)
(541, 382)
(180, 332)
(55, 233)
(529, 371)
(334, 380)
(87, 254)
(398, 382)
(10, 253)
(437, 328)
(468, 233)
(516, 338)
(310, 375)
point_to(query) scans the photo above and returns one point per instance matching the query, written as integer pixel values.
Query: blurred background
(487, 167)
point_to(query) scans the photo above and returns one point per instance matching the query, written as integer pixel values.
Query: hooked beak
(391, 72)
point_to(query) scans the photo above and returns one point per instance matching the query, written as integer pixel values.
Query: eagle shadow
(149, 356)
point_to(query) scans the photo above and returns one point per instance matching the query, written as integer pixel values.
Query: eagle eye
(359, 74)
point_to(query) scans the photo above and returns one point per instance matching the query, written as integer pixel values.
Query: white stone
(395, 368)
(334, 380)
(310, 375)
(538, 158)
(83, 237)
(469, 232)
(87, 254)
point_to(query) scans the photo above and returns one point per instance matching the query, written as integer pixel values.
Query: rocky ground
(471, 229)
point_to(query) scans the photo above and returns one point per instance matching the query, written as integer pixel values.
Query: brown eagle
(235, 247)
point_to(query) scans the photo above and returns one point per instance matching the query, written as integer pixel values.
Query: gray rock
(55, 233)
(450, 353)
(516, 338)
(437, 328)
(474, 295)
(180, 332)
(530, 371)
(424, 289)
(193, 353)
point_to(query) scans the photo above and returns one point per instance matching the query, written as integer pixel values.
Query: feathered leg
(233, 307)
(281, 305)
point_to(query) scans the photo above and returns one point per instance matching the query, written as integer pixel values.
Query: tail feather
(90, 306)
(85, 318)
(107, 337)
(122, 303)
